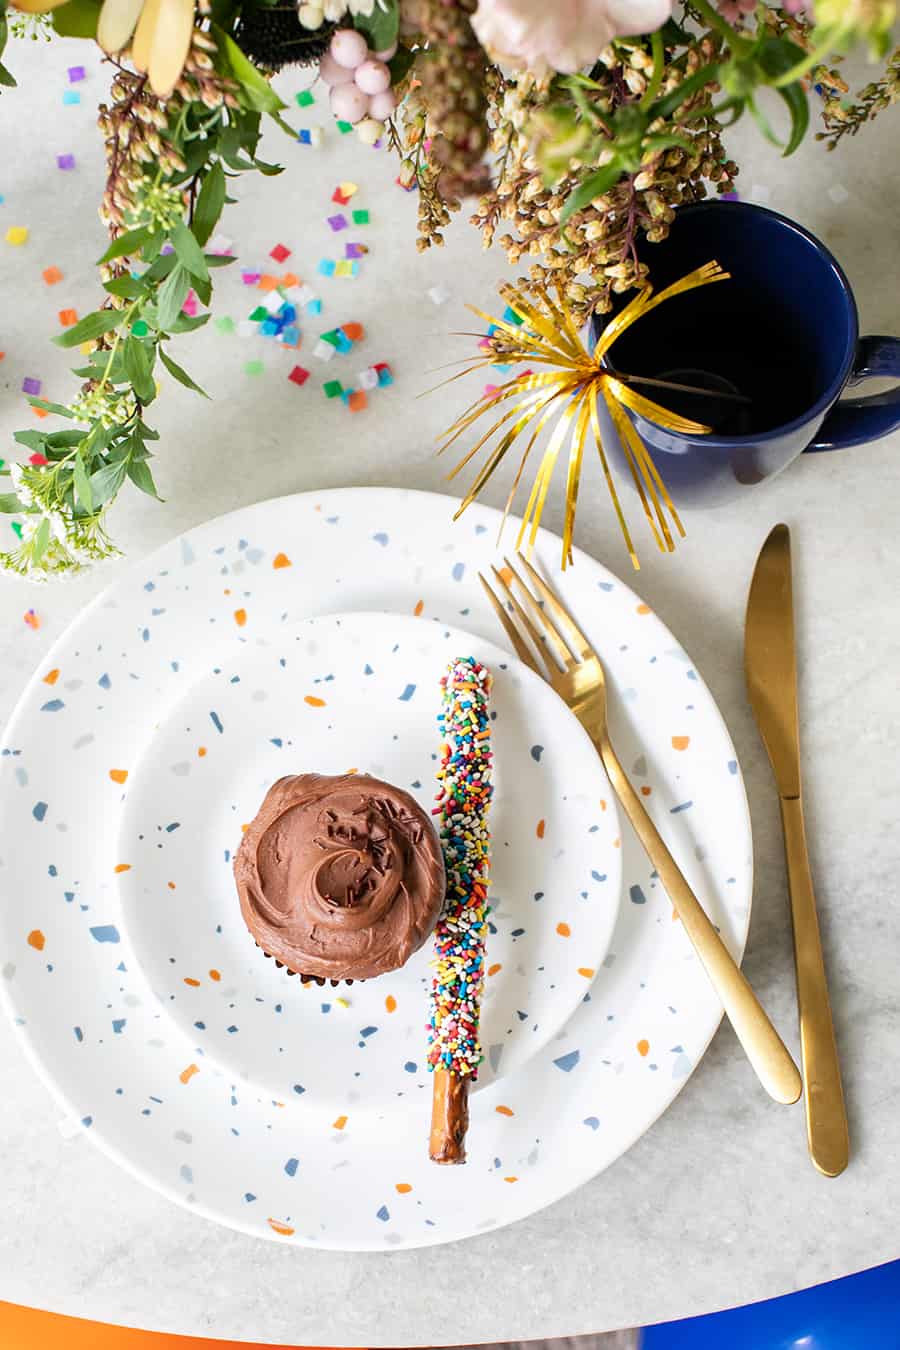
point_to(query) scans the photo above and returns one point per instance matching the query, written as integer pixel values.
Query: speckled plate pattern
(360, 692)
(296, 1166)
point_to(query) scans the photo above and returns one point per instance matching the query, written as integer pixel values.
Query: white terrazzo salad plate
(302, 1125)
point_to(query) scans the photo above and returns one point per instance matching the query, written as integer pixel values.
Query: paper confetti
(16, 235)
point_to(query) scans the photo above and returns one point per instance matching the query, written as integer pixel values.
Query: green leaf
(78, 19)
(9, 504)
(400, 64)
(6, 78)
(106, 482)
(132, 241)
(138, 369)
(777, 56)
(763, 122)
(140, 475)
(32, 440)
(172, 295)
(255, 91)
(209, 203)
(203, 289)
(161, 267)
(593, 186)
(126, 288)
(187, 323)
(794, 96)
(219, 259)
(64, 440)
(83, 494)
(180, 375)
(381, 26)
(91, 326)
(40, 540)
(50, 407)
(188, 251)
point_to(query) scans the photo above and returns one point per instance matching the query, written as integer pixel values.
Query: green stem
(666, 105)
(813, 58)
(659, 66)
(714, 20)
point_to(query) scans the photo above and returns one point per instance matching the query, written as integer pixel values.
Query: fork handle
(763, 1046)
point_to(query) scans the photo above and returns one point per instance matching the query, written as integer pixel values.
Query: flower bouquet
(577, 128)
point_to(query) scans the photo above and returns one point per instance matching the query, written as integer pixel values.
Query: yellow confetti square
(16, 235)
(348, 189)
(344, 268)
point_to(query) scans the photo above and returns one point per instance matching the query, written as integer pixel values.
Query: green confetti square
(225, 324)
(305, 98)
(254, 368)
(360, 217)
(344, 127)
(259, 314)
(333, 388)
(140, 329)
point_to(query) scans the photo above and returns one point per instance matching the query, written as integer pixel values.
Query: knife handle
(763, 1046)
(826, 1118)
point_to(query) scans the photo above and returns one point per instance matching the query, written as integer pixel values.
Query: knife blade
(770, 664)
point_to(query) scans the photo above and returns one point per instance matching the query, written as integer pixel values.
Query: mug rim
(825, 400)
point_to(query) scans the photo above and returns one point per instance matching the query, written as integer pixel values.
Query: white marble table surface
(717, 1204)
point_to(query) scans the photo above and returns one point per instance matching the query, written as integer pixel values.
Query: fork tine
(525, 620)
(521, 647)
(558, 609)
(563, 649)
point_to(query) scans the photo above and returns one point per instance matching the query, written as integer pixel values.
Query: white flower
(363, 7)
(334, 10)
(566, 35)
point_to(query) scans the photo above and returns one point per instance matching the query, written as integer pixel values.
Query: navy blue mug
(773, 349)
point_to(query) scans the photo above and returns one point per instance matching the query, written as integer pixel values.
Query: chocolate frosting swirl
(340, 877)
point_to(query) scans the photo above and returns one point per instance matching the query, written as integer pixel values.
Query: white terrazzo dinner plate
(360, 692)
(82, 970)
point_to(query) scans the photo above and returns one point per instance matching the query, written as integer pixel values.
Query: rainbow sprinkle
(463, 802)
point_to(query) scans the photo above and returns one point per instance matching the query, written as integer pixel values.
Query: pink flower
(564, 35)
(733, 10)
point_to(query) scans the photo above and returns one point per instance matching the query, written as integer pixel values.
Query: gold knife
(771, 669)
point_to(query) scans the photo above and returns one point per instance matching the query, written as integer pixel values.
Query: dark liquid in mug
(722, 339)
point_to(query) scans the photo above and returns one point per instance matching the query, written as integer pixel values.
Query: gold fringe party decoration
(543, 333)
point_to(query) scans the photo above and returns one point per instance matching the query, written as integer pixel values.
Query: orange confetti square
(586, 971)
(195, 984)
(390, 1003)
(36, 939)
(215, 975)
(187, 1074)
(267, 282)
(510, 1179)
(52, 275)
(118, 775)
(402, 1187)
(645, 791)
(67, 317)
(504, 1111)
(564, 930)
(122, 867)
(290, 279)
(284, 1229)
(357, 401)
(419, 606)
(541, 826)
(51, 677)
(644, 609)
(643, 1048)
(354, 331)
(281, 560)
(680, 742)
(171, 885)
(240, 617)
(495, 968)
(339, 1123)
(201, 750)
(39, 412)
(313, 701)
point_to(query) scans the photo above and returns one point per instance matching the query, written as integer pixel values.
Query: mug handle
(858, 420)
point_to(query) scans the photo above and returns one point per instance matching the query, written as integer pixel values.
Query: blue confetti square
(304, 137)
(291, 335)
(326, 267)
(269, 327)
(314, 306)
(71, 96)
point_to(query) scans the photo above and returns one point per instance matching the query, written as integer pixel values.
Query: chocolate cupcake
(339, 878)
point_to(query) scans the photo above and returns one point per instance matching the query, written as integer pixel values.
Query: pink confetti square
(250, 278)
(190, 305)
(279, 253)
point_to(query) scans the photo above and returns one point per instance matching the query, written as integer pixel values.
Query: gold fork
(578, 677)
